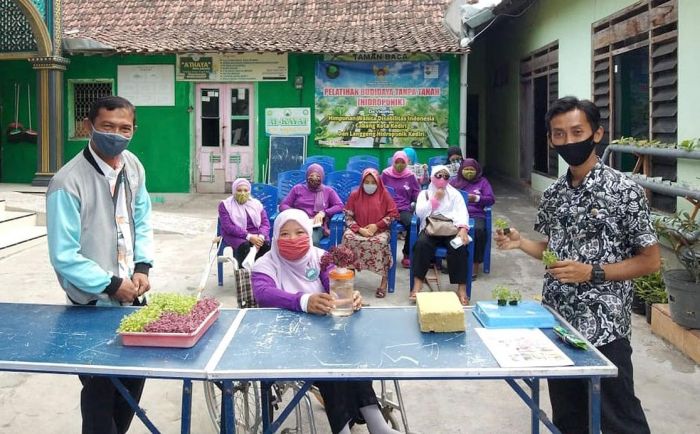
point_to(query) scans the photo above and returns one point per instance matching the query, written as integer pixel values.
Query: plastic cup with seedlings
(502, 294)
(503, 225)
(549, 258)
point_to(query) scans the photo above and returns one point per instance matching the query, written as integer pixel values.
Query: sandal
(463, 299)
(412, 297)
(380, 293)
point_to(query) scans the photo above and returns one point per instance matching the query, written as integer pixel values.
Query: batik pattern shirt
(602, 221)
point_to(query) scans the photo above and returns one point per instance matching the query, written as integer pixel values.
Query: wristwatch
(597, 274)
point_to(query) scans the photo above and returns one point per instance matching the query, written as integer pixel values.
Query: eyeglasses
(443, 176)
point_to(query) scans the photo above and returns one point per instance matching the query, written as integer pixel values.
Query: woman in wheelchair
(471, 180)
(244, 222)
(289, 277)
(444, 201)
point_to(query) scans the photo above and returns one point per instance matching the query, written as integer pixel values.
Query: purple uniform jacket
(406, 190)
(234, 235)
(300, 197)
(267, 294)
(482, 188)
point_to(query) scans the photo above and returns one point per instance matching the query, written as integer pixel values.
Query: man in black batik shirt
(597, 222)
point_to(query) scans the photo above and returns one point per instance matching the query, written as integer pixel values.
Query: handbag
(437, 225)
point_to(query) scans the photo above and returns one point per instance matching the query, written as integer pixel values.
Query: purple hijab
(460, 182)
(251, 208)
(318, 200)
(292, 276)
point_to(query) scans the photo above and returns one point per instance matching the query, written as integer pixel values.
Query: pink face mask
(439, 182)
(293, 249)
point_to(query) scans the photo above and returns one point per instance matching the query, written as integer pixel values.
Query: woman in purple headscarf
(244, 222)
(290, 277)
(318, 201)
(406, 189)
(471, 180)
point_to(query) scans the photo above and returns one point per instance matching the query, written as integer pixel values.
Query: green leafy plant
(683, 233)
(503, 225)
(514, 297)
(549, 258)
(651, 288)
(502, 294)
(688, 144)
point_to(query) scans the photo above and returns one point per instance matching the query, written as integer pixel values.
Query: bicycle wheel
(246, 404)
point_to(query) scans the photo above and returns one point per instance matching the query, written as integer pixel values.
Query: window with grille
(82, 94)
(635, 76)
(539, 87)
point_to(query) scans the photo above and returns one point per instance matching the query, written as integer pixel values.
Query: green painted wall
(566, 21)
(17, 160)
(283, 94)
(688, 88)
(162, 139)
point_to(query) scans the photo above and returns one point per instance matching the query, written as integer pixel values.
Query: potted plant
(503, 225)
(650, 289)
(683, 285)
(514, 297)
(502, 294)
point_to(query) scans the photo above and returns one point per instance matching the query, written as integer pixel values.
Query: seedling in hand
(503, 225)
(549, 258)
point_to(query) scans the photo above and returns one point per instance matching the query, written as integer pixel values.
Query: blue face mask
(109, 144)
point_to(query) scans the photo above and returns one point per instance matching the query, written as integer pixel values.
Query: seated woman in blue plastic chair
(413, 159)
(318, 201)
(244, 222)
(290, 277)
(406, 190)
(368, 216)
(441, 198)
(471, 180)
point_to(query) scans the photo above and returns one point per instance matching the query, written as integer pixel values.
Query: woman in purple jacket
(244, 222)
(320, 202)
(290, 277)
(406, 190)
(471, 180)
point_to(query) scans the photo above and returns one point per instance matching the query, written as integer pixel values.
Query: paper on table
(522, 348)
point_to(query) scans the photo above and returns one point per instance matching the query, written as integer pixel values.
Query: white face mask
(369, 188)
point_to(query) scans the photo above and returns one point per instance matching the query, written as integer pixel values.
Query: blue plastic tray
(527, 314)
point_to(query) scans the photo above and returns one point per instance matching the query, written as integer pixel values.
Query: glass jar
(342, 286)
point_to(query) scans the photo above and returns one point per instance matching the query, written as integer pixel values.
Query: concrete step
(2, 206)
(10, 221)
(20, 239)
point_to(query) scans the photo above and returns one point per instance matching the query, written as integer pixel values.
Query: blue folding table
(381, 343)
(83, 340)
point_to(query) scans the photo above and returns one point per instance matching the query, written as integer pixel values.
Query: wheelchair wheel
(246, 403)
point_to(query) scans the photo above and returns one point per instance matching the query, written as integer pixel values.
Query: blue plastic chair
(434, 161)
(343, 182)
(267, 194)
(324, 158)
(361, 165)
(371, 158)
(287, 180)
(328, 166)
(441, 252)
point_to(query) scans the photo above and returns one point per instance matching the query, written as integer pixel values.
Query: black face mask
(577, 153)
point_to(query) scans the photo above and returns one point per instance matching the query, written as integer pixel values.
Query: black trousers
(104, 409)
(405, 219)
(424, 252)
(344, 399)
(479, 239)
(621, 410)
(242, 251)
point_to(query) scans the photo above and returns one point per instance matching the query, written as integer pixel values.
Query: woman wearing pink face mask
(289, 277)
(441, 198)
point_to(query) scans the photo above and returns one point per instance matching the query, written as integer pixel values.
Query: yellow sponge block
(439, 312)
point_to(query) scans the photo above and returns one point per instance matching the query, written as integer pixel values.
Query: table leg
(134, 405)
(186, 421)
(228, 418)
(534, 418)
(594, 405)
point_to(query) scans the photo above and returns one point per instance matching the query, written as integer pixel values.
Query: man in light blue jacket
(101, 241)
